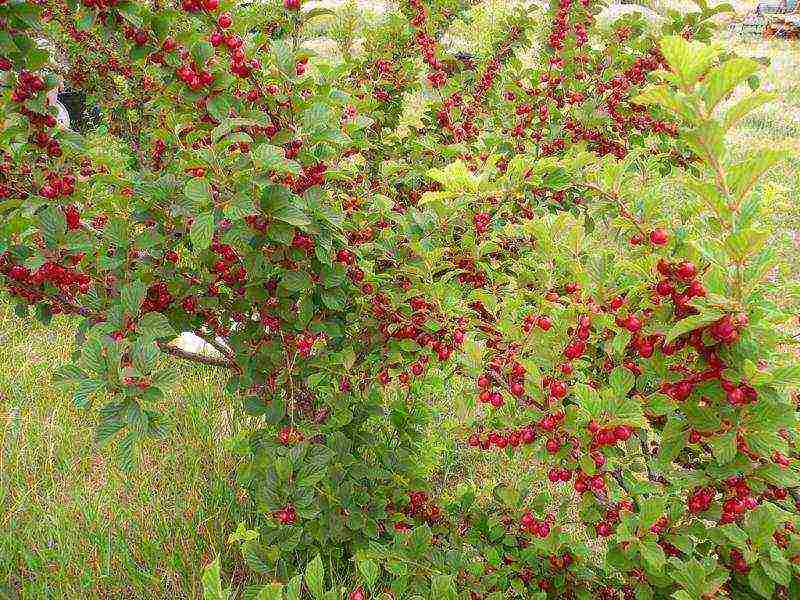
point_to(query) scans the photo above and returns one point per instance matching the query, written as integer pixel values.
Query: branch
(213, 361)
(222, 347)
(645, 447)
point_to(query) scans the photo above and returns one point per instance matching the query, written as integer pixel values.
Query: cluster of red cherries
(58, 186)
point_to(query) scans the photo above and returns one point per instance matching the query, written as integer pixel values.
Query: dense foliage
(555, 219)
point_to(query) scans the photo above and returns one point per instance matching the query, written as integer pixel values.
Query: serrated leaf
(212, 582)
(132, 296)
(314, 577)
(296, 281)
(284, 57)
(273, 591)
(650, 509)
(688, 58)
(334, 298)
(370, 571)
(723, 447)
(742, 176)
(202, 231)
(760, 524)
(653, 555)
(144, 355)
(219, 106)
(155, 325)
(760, 582)
(778, 571)
(198, 191)
(691, 323)
(86, 389)
(745, 106)
(673, 439)
(128, 451)
(53, 225)
(721, 80)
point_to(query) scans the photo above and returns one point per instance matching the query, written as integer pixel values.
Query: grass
(73, 526)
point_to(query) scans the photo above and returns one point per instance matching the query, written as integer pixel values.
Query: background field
(73, 526)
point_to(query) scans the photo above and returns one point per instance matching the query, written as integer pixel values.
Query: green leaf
(721, 80)
(271, 158)
(296, 281)
(334, 298)
(688, 58)
(663, 96)
(273, 591)
(420, 541)
(212, 582)
(132, 296)
(201, 51)
(736, 535)
(650, 509)
(155, 325)
(443, 587)
(778, 571)
(53, 225)
(723, 447)
(314, 577)
(589, 399)
(144, 355)
(281, 204)
(370, 572)
(621, 381)
(219, 106)
(673, 439)
(745, 106)
(333, 275)
(760, 582)
(202, 231)
(742, 176)
(85, 22)
(284, 57)
(760, 524)
(788, 376)
(653, 555)
(688, 324)
(198, 191)
(86, 389)
(294, 587)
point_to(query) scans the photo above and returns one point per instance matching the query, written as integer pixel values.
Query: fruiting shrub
(557, 220)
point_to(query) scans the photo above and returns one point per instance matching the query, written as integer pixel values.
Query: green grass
(72, 525)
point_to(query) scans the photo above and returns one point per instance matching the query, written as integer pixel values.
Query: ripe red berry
(553, 446)
(357, 594)
(224, 20)
(658, 237)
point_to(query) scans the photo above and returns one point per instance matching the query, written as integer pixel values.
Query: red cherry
(658, 237)
(357, 594)
(553, 446)
(622, 432)
(686, 270)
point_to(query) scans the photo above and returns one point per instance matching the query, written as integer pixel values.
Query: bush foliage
(555, 220)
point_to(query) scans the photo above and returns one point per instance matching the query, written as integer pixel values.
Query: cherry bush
(554, 223)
